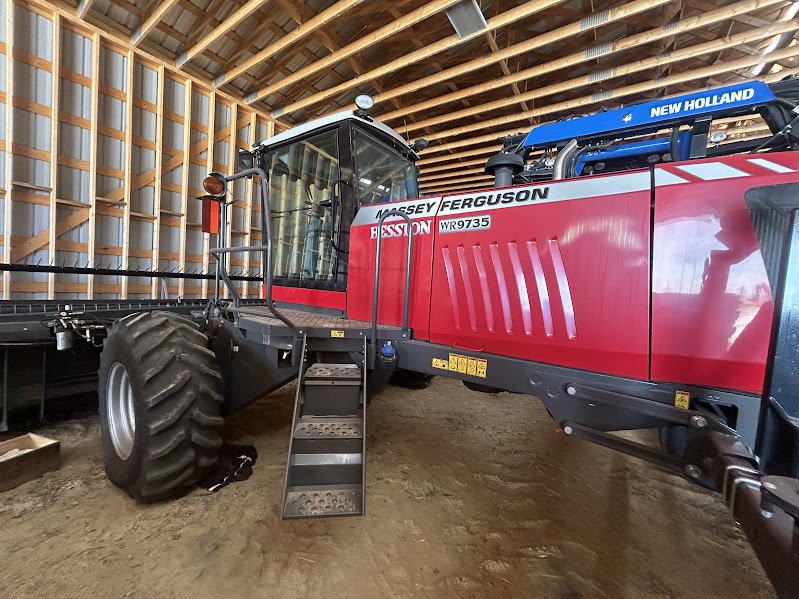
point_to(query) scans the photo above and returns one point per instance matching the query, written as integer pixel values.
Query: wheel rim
(121, 415)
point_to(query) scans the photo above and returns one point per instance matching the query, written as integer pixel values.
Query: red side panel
(363, 245)
(711, 300)
(550, 273)
(336, 300)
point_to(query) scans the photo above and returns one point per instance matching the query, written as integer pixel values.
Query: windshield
(383, 175)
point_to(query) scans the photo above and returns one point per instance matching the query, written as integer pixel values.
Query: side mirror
(420, 144)
(244, 160)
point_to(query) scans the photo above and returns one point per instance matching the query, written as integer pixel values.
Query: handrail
(375, 292)
(266, 234)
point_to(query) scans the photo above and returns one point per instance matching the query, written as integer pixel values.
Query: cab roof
(332, 119)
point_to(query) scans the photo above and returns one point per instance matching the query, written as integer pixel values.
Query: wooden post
(184, 189)
(9, 143)
(54, 123)
(95, 117)
(128, 171)
(159, 173)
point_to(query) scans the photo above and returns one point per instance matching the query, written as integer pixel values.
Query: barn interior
(112, 115)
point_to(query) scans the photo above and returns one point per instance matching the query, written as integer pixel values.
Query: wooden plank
(222, 30)
(159, 174)
(55, 103)
(507, 18)
(152, 21)
(184, 192)
(84, 7)
(325, 17)
(131, 58)
(549, 66)
(416, 16)
(95, 117)
(114, 39)
(8, 255)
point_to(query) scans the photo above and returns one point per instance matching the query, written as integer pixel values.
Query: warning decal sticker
(462, 364)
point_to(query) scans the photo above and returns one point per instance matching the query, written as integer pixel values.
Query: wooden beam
(549, 66)
(448, 167)
(159, 175)
(184, 188)
(449, 42)
(95, 118)
(445, 175)
(8, 254)
(205, 19)
(152, 21)
(222, 30)
(360, 45)
(427, 159)
(55, 103)
(685, 53)
(323, 18)
(84, 7)
(128, 181)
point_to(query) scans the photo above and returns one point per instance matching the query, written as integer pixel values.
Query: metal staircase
(325, 473)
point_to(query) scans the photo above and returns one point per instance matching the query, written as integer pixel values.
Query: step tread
(329, 428)
(333, 372)
(323, 500)
(325, 459)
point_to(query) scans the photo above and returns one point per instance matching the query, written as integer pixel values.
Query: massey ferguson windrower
(632, 269)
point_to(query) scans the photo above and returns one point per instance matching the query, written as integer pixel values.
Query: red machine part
(363, 245)
(559, 272)
(563, 282)
(711, 299)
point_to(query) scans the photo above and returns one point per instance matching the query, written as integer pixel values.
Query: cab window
(301, 177)
(382, 174)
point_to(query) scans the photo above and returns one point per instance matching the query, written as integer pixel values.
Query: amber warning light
(215, 185)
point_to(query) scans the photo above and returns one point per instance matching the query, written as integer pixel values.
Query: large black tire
(174, 391)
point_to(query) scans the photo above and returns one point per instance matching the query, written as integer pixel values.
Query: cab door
(309, 267)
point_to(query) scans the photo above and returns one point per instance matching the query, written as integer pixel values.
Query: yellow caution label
(441, 363)
(336, 333)
(462, 364)
(482, 366)
(682, 399)
(471, 367)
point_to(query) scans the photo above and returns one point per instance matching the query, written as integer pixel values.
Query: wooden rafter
(688, 52)
(221, 30)
(360, 45)
(284, 42)
(152, 21)
(449, 42)
(549, 65)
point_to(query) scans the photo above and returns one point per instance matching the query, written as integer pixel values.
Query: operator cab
(320, 173)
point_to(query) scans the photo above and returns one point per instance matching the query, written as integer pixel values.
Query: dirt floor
(469, 495)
